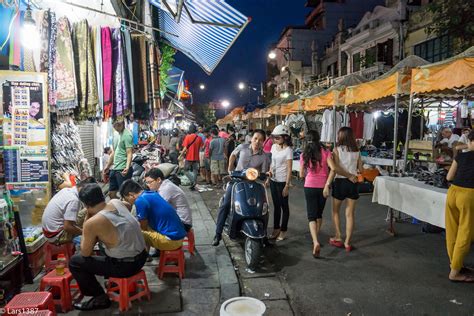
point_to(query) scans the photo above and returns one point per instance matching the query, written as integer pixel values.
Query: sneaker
(96, 302)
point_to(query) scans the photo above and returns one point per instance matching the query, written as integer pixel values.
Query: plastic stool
(52, 252)
(30, 301)
(63, 283)
(188, 242)
(171, 256)
(37, 313)
(124, 286)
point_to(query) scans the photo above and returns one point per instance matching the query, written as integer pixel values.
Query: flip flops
(336, 243)
(465, 279)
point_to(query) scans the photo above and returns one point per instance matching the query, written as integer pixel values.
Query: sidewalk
(209, 279)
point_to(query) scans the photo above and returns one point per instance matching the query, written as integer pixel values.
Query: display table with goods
(422, 201)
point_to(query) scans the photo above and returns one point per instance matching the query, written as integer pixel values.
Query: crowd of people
(163, 217)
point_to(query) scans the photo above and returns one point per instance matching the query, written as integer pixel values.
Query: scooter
(248, 217)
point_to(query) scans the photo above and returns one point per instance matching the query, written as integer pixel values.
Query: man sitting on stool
(173, 194)
(160, 224)
(113, 225)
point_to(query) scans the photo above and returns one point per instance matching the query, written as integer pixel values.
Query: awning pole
(345, 115)
(422, 124)
(395, 134)
(408, 136)
(334, 116)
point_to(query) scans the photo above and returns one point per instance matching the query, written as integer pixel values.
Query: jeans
(280, 204)
(84, 270)
(192, 169)
(173, 157)
(224, 209)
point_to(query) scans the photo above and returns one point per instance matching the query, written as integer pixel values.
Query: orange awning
(397, 83)
(444, 77)
(324, 100)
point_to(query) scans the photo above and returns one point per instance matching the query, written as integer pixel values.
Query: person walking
(267, 145)
(173, 146)
(347, 157)
(191, 145)
(460, 213)
(216, 152)
(315, 162)
(280, 180)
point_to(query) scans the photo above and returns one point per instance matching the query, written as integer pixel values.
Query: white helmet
(281, 130)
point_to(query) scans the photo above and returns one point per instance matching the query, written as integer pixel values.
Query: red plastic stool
(172, 257)
(52, 252)
(188, 242)
(124, 286)
(30, 301)
(63, 283)
(37, 313)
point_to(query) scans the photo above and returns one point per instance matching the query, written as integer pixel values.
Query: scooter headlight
(237, 208)
(265, 208)
(251, 174)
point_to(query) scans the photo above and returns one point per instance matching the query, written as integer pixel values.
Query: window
(370, 54)
(356, 62)
(385, 52)
(436, 49)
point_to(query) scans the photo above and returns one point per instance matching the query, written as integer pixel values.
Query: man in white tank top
(119, 232)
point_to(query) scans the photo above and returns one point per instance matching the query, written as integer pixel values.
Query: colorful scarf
(121, 99)
(107, 71)
(129, 64)
(85, 71)
(52, 84)
(65, 76)
(97, 39)
(140, 76)
(15, 54)
(154, 92)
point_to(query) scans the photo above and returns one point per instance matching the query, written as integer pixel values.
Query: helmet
(281, 130)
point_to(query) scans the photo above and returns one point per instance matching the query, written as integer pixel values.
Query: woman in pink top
(267, 145)
(315, 162)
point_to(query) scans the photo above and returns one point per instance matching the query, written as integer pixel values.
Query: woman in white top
(280, 177)
(347, 156)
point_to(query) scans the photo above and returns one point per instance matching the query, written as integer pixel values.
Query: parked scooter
(248, 217)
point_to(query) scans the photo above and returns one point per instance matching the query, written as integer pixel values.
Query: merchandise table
(415, 198)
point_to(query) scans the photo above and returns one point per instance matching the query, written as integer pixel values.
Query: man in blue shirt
(160, 224)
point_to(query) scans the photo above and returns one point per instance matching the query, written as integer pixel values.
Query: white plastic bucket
(242, 306)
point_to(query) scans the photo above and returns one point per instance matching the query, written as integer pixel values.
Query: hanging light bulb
(29, 32)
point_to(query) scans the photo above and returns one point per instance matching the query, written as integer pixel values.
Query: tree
(166, 62)
(205, 114)
(453, 17)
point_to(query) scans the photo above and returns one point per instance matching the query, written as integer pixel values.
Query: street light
(272, 55)
(225, 105)
(202, 86)
(241, 86)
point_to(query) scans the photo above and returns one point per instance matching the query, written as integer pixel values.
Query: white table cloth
(410, 196)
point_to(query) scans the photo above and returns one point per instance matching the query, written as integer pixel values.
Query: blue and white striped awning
(205, 29)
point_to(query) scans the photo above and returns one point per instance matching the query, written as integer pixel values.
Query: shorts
(343, 188)
(159, 241)
(116, 179)
(217, 167)
(207, 164)
(201, 159)
(315, 203)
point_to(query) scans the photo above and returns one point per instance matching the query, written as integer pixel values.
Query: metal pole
(334, 116)
(395, 134)
(345, 115)
(408, 136)
(422, 123)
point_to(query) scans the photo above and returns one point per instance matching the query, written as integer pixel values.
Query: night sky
(246, 60)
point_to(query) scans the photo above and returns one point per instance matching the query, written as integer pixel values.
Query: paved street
(402, 275)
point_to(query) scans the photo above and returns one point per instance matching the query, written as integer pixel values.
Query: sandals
(336, 243)
(465, 279)
(316, 251)
(275, 234)
(281, 236)
(349, 248)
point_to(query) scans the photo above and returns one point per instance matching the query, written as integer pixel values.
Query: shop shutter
(86, 132)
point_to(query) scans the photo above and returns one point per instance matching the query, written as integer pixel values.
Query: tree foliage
(454, 17)
(205, 114)
(167, 60)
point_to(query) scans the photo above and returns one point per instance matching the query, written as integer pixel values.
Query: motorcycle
(248, 217)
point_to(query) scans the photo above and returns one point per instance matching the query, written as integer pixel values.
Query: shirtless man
(113, 225)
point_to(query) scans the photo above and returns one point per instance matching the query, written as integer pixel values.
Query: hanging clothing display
(52, 87)
(384, 130)
(121, 99)
(45, 29)
(327, 131)
(357, 124)
(106, 38)
(64, 72)
(154, 92)
(140, 73)
(85, 71)
(97, 51)
(128, 53)
(15, 54)
(369, 126)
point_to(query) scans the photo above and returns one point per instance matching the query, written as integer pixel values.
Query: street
(402, 275)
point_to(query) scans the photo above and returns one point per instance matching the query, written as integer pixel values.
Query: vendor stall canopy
(205, 29)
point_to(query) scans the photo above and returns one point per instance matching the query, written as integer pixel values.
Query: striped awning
(202, 30)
